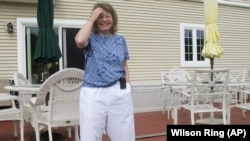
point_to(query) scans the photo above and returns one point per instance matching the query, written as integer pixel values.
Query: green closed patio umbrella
(47, 48)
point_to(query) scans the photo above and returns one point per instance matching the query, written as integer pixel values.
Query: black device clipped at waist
(122, 83)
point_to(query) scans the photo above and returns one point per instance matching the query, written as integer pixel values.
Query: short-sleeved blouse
(104, 58)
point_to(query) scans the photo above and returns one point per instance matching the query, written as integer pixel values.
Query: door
(65, 30)
(34, 70)
(73, 57)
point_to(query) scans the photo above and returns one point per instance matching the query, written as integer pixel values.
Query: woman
(105, 100)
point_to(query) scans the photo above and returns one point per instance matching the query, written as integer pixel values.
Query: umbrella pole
(212, 63)
(212, 66)
(45, 73)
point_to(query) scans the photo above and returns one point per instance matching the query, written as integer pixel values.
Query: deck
(149, 126)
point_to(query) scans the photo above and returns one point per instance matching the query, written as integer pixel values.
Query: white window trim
(184, 63)
(23, 22)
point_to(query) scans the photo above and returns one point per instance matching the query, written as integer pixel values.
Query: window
(27, 32)
(192, 43)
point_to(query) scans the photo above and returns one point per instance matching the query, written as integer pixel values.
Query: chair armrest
(184, 93)
(246, 92)
(33, 101)
(6, 97)
(38, 108)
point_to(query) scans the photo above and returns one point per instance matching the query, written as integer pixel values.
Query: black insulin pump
(122, 83)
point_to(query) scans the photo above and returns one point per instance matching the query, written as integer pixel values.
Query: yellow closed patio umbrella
(212, 47)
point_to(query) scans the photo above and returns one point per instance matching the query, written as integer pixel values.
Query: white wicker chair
(63, 88)
(20, 80)
(13, 113)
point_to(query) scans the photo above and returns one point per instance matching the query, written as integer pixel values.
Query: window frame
(193, 63)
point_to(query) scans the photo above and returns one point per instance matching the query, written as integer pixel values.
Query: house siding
(235, 37)
(151, 28)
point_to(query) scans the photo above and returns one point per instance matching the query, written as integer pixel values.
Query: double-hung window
(192, 44)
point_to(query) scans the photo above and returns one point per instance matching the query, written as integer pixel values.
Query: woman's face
(105, 22)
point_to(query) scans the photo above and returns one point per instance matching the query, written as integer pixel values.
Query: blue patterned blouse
(104, 57)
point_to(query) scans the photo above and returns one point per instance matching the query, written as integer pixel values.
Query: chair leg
(175, 113)
(164, 108)
(69, 132)
(37, 133)
(15, 128)
(170, 113)
(192, 118)
(211, 114)
(50, 134)
(228, 110)
(171, 105)
(201, 115)
(228, 115)
(225, 122)
(76, 134)
(243, 114)
(169, 109)
(22, 130)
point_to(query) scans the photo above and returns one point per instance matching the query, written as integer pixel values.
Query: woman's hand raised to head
(95, 14)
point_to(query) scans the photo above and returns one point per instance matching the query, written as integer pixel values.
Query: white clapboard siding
(151, 28)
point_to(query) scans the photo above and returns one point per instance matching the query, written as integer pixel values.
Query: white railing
(147, 96)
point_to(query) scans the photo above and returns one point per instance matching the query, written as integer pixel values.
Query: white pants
(107, 108)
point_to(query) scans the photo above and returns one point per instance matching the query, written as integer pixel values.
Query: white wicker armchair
(13, 113)
(21, 80)
(63, 88)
